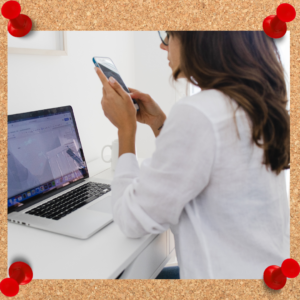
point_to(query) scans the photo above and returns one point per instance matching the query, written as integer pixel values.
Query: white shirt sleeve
(151, 198)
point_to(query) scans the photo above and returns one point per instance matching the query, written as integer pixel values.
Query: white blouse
(206, 182)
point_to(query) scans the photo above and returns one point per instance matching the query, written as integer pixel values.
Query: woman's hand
(119, 109)
(149, 113)
(117, 104)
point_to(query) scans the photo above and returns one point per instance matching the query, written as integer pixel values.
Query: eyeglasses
(164, 36)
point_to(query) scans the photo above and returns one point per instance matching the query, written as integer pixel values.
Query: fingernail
(112, 80)
(95, 69)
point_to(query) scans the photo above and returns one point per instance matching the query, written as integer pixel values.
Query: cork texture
(84, 15)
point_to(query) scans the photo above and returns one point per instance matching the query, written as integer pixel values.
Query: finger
(102, 77)
(104, 92)
(132, 90)
(116, 86)
(140, 96)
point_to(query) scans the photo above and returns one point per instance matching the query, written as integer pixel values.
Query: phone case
(116, 75)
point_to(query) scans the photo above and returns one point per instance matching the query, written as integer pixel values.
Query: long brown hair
(246, 66)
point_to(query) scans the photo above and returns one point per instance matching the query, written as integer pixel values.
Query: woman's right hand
(149, 113)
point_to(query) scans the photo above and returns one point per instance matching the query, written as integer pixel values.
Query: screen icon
(37, 190)
(28, 194)
(24, 196)
(41, 188)
(20, 198)
(33, 191)
(53, 183)
(46, 186)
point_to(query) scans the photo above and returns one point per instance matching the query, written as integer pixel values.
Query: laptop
(49, 187)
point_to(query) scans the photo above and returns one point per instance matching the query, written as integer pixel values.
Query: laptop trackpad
(102, 205)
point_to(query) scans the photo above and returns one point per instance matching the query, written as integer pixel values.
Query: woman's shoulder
(214, 104)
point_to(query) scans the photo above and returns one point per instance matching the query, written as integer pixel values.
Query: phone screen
(110, 70)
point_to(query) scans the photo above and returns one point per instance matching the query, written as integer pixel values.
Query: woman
(216, 176)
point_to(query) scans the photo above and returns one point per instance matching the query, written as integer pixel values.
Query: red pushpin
(275, 26)
(275, 277)
(18, 24)
(20, 273)
(9, 287)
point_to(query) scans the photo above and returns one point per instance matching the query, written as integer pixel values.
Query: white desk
(103, 256)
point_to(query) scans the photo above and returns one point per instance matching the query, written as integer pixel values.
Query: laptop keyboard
(63, 205)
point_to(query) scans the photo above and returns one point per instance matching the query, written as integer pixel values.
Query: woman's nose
(163, 46)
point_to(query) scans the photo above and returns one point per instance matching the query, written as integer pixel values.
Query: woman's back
(239, 223)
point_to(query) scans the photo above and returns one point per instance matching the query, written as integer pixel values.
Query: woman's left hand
(117, 104)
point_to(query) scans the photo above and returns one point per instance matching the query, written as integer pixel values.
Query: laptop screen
(44, 153)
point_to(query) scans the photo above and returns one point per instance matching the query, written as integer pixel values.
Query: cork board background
(155, 15)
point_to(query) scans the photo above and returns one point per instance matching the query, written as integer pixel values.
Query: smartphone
(109, 69)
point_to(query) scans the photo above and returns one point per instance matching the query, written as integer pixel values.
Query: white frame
(12, 50)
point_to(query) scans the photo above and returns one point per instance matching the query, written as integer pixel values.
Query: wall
(283, 46)
(39, 82)
(152, 74)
